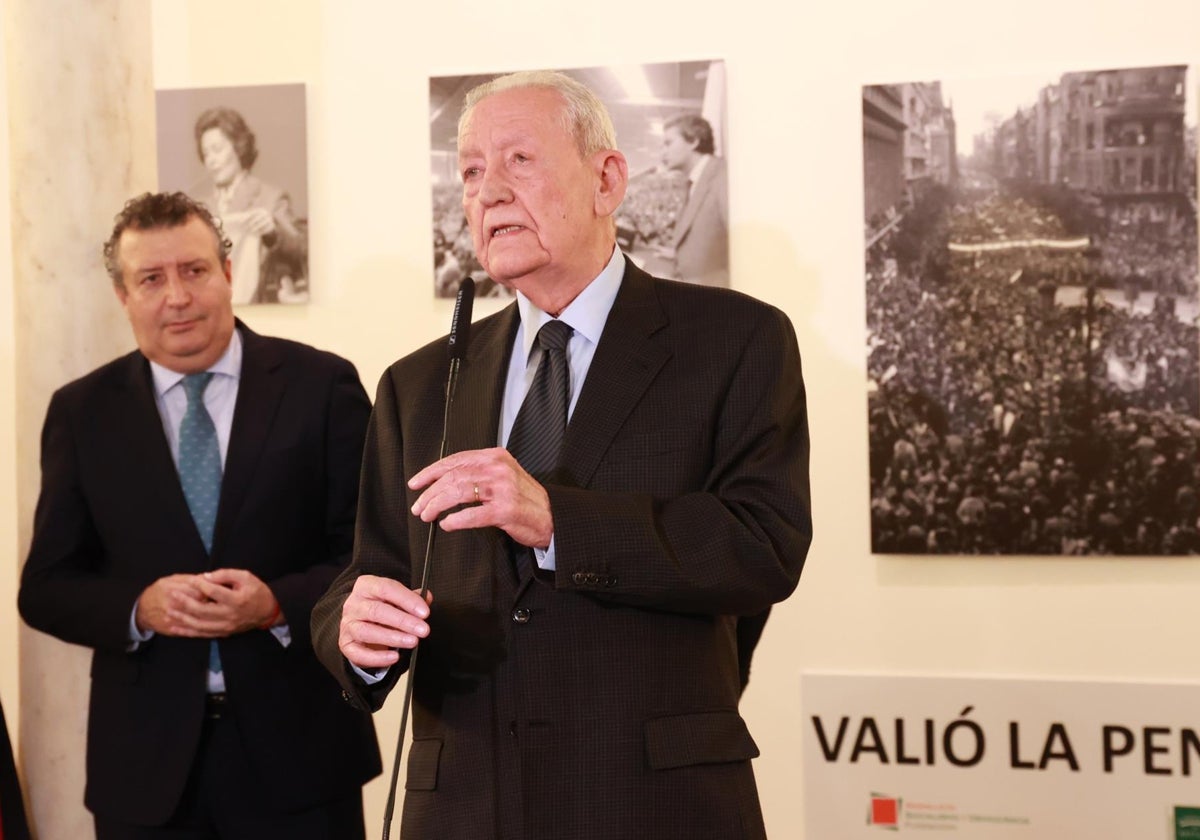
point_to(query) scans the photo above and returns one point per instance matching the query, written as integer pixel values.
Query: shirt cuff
(545, 557)
(369, 677)
(136, 636)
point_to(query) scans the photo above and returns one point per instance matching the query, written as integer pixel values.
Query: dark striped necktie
(537, 433)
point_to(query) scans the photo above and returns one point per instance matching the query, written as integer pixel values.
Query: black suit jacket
(112, 518)
(599, 703)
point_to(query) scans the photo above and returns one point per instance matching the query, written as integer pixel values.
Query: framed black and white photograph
(1031, 291)
(670, 121)
(243, 152)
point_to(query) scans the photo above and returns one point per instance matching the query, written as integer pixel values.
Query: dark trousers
(223, 800)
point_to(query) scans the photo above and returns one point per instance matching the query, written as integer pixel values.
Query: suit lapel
(260, 390)
(141, 426)
(627, 360)
(475, 416)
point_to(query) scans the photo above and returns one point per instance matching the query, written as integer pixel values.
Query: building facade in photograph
(1110, 132)
(884, 138)
(929, 143)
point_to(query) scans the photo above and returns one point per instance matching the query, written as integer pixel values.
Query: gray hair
(583, 114)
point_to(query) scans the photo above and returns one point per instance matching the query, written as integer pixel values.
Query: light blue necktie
(200, 470)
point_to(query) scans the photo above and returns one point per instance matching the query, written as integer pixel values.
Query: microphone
(460, 324)
(460, 336)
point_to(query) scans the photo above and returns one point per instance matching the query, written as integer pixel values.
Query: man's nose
(178, 293)
(494, 187)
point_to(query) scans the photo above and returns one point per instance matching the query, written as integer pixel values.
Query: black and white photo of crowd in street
(1032, 310)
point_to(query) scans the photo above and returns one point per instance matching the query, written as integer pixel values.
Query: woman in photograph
(270, 245)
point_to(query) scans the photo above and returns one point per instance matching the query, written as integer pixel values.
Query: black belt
(216, 705)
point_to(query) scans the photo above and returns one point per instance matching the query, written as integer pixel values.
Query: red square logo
(885, 811)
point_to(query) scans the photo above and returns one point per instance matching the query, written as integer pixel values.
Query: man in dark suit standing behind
(579, 673)
(198, 496)
(700, 237)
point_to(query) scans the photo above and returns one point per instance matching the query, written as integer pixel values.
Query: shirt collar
(698, 170)
(230, 364)
(586, 314)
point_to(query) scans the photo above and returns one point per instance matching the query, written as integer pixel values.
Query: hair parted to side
(233, 126)
(150, 211)
(583, 114)
(693, 128)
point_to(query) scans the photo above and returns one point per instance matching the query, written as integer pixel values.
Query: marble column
(81, 137)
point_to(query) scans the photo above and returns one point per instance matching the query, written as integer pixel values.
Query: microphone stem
(451, 384)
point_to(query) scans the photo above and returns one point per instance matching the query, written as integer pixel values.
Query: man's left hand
(494, 489)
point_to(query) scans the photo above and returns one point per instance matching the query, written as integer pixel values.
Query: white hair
(583, 114)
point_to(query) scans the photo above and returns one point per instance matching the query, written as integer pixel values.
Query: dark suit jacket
(702, 230)
(112, 518)
(601, 702)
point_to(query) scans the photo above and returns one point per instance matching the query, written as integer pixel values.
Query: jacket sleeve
(381, 546)
(64, 591)
(344, 417)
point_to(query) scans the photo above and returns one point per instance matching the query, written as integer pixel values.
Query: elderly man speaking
(631, 475)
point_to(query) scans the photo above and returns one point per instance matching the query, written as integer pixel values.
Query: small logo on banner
(1187, 822)
(884, 811)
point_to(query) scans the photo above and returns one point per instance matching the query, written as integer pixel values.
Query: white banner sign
(1009, 244)
(999, 758)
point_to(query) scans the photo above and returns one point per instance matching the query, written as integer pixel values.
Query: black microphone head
(460, 324)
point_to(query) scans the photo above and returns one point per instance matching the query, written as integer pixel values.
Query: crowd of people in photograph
(652, 203)
(1151, 248)
(453, 251)
(996, 219)
(1008, 417)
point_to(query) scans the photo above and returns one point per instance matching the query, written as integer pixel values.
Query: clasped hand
(212, 605)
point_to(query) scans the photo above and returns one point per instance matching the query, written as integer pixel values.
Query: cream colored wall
(9, 565)
(794, 72)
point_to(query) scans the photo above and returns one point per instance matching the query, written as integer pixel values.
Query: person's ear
(612, 172)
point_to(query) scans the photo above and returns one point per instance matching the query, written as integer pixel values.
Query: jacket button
(593, 578)
(610, 581)
(521, 615)
(580, 578)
